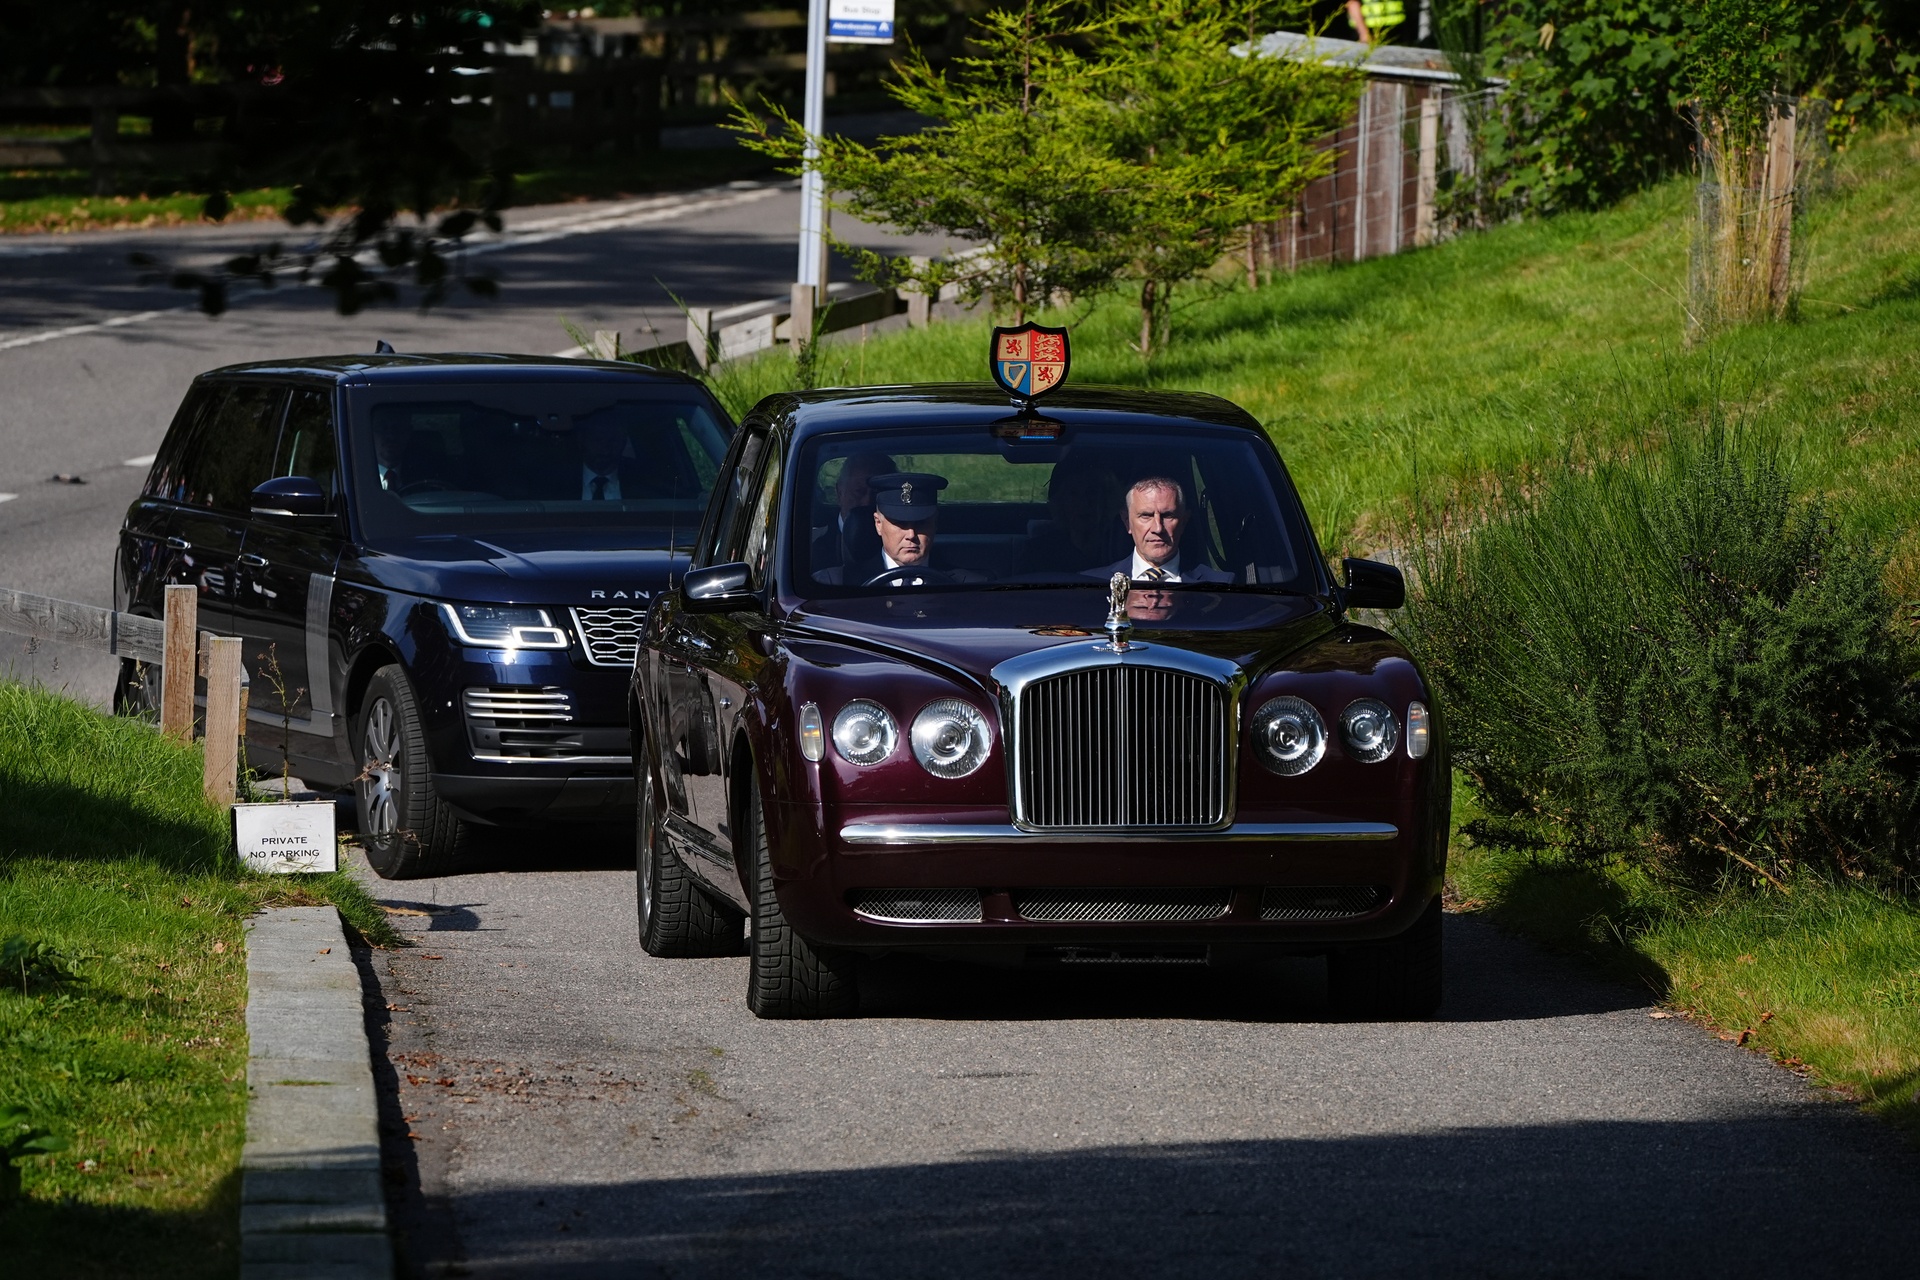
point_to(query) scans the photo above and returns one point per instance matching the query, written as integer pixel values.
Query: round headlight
(1289, 736)
(1368, 728)
(949, 738)
(864, 732)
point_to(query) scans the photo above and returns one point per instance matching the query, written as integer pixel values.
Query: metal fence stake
(178, 665)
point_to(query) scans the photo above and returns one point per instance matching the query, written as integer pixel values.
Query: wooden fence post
(1429, 187)
(801, 313)
(223, 718)
(700, 335)
(919, 302)
(605, 344)
(179, 662)
(1777, 207)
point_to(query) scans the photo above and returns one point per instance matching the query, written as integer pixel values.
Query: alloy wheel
(380, 775)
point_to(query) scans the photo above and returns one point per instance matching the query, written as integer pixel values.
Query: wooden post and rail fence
(173, 645)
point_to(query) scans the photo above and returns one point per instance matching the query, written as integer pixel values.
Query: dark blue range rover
(439, 564)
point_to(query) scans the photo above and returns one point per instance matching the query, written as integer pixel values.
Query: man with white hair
(1156, 516)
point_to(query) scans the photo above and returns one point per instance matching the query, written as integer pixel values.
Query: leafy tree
(1213, 138)
(1006, 163)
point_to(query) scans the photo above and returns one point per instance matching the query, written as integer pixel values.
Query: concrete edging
(311, 1203)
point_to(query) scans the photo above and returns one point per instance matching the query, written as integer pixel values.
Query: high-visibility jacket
(1382, 16)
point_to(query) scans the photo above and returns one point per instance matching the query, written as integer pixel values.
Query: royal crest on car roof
(1030, 360)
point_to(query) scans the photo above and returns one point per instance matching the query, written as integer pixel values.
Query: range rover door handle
(252, 561)
(179, 544)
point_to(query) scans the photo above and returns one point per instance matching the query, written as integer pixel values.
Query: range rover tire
(136, 692)
(1394, 978)
(677, 917)
(408, 831)
(788, 977)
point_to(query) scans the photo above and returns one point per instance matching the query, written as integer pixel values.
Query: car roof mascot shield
(1030, 360)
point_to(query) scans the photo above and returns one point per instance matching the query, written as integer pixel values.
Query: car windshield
(623, 460)
(1183, 506)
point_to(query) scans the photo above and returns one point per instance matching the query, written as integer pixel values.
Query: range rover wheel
(406, 828)
(788, 976)
(677, 917)
(1394, 978)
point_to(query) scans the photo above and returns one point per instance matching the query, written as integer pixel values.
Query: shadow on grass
(40, 819)
(76, 1240)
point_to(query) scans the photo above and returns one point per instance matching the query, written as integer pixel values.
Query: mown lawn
(1421, 378)
(132, 1043)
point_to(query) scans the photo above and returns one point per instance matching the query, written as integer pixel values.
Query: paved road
(93, 363)
(565, 1106)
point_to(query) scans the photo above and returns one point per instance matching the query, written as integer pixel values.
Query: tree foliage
(1083, 154)
(1597, 103)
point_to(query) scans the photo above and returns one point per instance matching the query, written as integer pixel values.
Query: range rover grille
(1122, 905)
(610, 636)
(1123, 746)
(919, 906)
(1331, 902)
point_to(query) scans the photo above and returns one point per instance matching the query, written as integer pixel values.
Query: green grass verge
(44, 200)
(1521, 347)
(109, 855)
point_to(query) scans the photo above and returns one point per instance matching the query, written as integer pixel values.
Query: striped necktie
(1155, 573)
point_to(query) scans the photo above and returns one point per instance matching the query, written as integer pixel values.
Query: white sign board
(860, 21)
(284, 839)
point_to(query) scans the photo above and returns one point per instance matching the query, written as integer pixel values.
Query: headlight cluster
(500, 626)
(1290, 737)
(949, 738)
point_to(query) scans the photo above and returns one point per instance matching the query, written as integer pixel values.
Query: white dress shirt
(588, 475)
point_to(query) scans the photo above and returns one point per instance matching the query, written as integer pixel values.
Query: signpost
(849, 22)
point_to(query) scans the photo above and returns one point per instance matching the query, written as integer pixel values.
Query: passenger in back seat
(1081, 527)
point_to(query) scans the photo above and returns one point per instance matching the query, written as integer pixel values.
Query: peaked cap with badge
(907, 497)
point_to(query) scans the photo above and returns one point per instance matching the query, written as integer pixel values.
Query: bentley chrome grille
(610, 636)
(1334, 902)
(1123, 745)
(919, 906)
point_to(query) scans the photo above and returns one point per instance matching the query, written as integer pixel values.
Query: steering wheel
(427, 486)
(927, 576)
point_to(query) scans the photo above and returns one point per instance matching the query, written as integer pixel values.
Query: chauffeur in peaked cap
(906, 514)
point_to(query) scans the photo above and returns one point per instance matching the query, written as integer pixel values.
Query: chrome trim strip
(319, 669)
(626, 760)
(912, 833)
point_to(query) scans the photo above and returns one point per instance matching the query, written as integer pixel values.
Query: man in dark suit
(906, 514)
(606, 473)
(834, 545)
(1156, 518)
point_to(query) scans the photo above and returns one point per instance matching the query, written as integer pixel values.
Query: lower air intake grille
(1122, 905)
(1336, 902)
(919, 906)
(521, 724)
(611, 636)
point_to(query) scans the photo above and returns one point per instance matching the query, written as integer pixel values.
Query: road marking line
(8, 497)
(637, 213)
(144, 460)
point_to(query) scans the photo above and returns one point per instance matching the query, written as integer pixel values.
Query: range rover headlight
(864, 732)
(1368, 728)
(949, 738)
(499, 626)
(1289, 736)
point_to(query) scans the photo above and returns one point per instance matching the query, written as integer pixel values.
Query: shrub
(1675, 657)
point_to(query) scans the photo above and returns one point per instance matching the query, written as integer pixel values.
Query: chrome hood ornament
(1119, 625)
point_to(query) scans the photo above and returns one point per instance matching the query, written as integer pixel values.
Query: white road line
(8, 497)
(144, 460)
(75, 330)
(637, 213)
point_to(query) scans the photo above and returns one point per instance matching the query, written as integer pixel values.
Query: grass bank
(123, 1015)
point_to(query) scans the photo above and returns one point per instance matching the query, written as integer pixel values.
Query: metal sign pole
(813, 202)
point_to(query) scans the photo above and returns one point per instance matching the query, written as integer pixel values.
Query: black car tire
(1394, 978)
(407, 830)
(678, 918)
(788, 977)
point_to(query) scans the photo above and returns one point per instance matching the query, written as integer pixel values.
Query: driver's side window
(721, 544)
